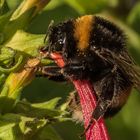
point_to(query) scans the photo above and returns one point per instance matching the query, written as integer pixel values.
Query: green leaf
(113, 3)
(6, 54)
(54, 4)
(7, 131)
(8, 103)
(47, 133)
(30, 126)
(2, 78)
(19, 23)
(25, 42)
(3, 7)
(13, 68)
(134, 18)
(51, 104)
(4, 19)
(7, 57)
(18, 127)
(9, 128)
(76, 5)
(46, 109)
(93, 6)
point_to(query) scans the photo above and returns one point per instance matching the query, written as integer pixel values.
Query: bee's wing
(133, 71)
(124, 62)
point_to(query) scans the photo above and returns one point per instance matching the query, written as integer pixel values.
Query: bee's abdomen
(118, 102)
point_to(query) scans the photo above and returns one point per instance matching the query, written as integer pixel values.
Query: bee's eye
(59, 45)
(60, 41)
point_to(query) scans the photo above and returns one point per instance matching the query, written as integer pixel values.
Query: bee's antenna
(48, 31)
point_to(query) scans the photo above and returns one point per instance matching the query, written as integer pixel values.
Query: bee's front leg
(51, 72)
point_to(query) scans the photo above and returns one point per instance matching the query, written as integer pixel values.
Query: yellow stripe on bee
(83, 27)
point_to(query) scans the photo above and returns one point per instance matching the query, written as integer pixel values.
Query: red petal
(97, 131)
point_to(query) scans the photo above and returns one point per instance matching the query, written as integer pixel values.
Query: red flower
(97, 130)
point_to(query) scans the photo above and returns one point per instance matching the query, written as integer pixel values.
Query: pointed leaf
(19, 23)
(51, 104)
(25, 42)
(18, 127)
(40, 112)
(4, 19)
(47, 133)
(3, 7)
(9, 128)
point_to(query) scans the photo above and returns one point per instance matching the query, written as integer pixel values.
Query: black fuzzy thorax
(107, 35)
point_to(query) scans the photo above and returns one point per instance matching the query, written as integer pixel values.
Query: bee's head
(61, 37)
(57, 38)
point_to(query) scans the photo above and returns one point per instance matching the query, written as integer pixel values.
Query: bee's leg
(51, 72)
(61, 74)
(109, 89)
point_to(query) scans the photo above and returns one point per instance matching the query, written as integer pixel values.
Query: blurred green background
(125, 13)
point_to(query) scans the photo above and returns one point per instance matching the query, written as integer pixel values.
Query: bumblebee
(94, 49)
